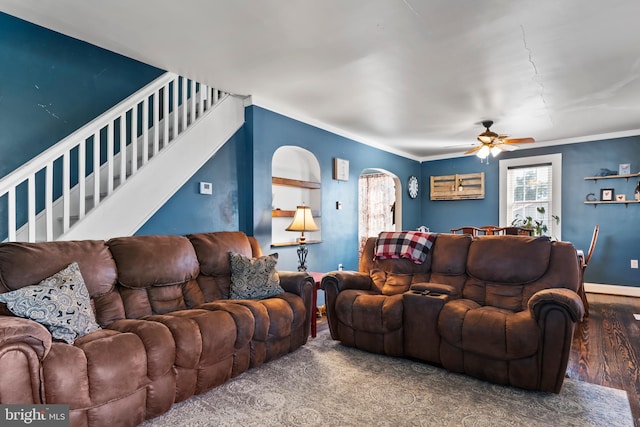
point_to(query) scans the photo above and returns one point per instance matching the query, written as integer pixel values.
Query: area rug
(327, 384)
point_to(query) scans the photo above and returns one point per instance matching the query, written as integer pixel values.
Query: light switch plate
(206, 188)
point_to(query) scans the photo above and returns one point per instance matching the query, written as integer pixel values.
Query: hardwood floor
(606, 347)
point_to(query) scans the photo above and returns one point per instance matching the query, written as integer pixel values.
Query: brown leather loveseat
(168, 328)
(499, 308)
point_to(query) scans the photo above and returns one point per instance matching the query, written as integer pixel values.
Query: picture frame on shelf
(624, 169)
(607, 194)
(621, 198)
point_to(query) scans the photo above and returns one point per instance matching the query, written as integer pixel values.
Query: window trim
(556, 184)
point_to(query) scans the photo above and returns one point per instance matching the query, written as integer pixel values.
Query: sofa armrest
(562, 297)
(301, 284)
(342, 280)
(19, 330)
(335, 282)
(296, 282)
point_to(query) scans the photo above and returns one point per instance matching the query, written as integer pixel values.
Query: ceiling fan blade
(474, 149)
(510, 147)
(518, 141)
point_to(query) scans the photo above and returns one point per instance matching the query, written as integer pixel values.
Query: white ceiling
(413, 76)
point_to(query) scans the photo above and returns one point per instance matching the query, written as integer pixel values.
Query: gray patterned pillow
(255, 278)
(60, 302)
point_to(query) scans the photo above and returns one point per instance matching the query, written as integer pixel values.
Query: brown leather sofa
(499, 308)
(168, 332)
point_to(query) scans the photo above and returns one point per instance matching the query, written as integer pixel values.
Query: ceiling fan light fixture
(495, 150)
(484, 152)
(487, 137)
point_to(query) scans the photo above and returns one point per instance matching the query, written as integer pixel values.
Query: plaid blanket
(412, 245)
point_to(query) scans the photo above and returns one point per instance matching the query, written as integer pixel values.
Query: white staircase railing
(48, 194)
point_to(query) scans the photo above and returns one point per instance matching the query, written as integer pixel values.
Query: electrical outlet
(634, 263)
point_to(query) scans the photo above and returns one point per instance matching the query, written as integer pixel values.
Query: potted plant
(538, 226)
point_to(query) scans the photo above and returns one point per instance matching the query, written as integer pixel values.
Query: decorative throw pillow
(61, 303)
(255, 278)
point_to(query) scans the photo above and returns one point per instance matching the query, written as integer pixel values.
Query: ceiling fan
(493, 143)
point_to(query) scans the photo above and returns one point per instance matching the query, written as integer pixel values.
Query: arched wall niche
(296, 180)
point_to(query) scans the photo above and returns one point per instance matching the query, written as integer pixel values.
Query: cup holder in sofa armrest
(434, 289)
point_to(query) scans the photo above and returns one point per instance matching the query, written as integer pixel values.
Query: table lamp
(302, 221)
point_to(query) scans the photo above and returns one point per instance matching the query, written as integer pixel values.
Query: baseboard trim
(597, 288)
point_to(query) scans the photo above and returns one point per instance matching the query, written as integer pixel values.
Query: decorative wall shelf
(595, 203)
(596, 178)
(458, 187)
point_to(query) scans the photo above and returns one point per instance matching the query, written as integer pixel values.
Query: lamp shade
(483, 152)
(302, 220)
(495, 150)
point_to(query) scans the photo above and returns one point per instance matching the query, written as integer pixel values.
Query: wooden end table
(317, 277)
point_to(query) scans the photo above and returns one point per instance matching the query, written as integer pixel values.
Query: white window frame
(556, 184)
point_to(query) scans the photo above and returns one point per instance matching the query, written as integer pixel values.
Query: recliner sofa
(499, 308)
(168, 330)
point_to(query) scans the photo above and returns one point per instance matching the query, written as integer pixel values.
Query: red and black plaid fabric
(412, 245)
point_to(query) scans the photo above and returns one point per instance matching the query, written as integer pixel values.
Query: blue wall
(339, 227)
(242, 190)
(51, 85)
(188, 211)
(619, 239)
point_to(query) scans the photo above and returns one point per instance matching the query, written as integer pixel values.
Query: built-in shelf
(295, 183)
(595, 178)
(281, 213)
(283, 244)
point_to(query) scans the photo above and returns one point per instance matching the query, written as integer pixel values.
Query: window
(378, 208)
(531, 187)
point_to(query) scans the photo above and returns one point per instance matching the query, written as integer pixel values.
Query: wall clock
(412, 187)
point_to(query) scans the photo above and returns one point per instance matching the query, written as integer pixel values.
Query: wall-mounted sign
(340, 169)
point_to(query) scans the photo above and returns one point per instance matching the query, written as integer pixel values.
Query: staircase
(110, 176)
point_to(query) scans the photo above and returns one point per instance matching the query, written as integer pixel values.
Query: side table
(317, 277)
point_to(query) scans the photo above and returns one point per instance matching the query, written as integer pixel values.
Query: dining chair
(492, 230)
(518, 231)
(585, 263)
(474, 231)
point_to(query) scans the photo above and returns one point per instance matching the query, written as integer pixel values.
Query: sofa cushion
(25, 264)
(145, 261)
(488, 331)
(364, 311)
(509, 259)
(389, 283)
(254, 278)
(60, 302)
(450, 254)
(212, 250)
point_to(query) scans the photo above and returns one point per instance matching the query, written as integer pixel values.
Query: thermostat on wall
(206, 188)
